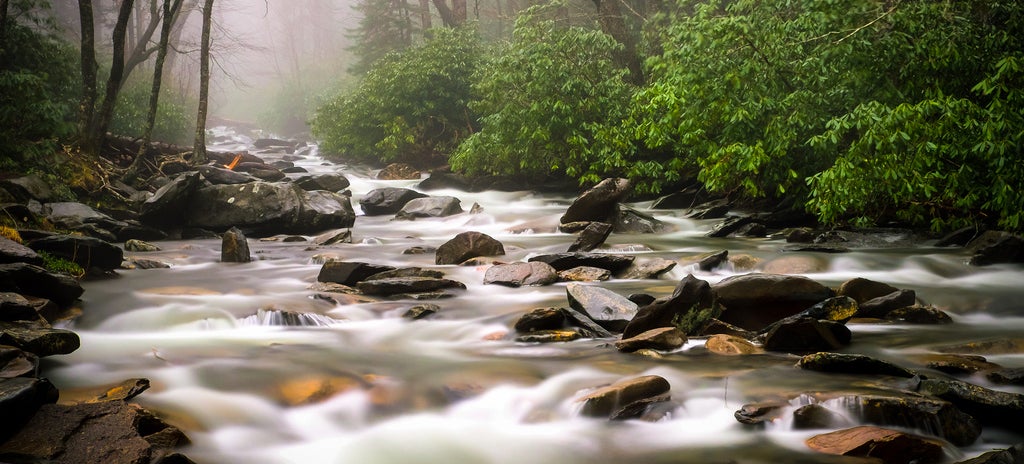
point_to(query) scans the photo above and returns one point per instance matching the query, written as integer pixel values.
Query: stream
(352, 381)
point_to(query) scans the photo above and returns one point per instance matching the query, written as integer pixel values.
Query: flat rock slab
(520, 274)
(39, 341)
(404, 285)
(891, 446)
(565, 261)
(602, 305)
(606, 401)
(14, 252)
(349, 273)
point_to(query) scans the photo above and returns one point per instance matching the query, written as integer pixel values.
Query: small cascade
(277, 318)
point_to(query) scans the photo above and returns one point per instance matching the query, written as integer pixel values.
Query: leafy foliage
(59, 265)
(175, 122)
(37, 94)
(410, 107)
(544, 98)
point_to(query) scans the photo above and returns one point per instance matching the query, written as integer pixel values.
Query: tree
(170, 12)
(609, 15)
(101, 121)
(385, 26)
(199, 148)
(87, 109)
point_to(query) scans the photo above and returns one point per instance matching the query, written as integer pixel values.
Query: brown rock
(599, 203)
(753, 301)
(398, 171)
(863, 290)
(234, 247)
(468, 245)
(731, 345)
(520, 274)
(891, 446)
(604, 402)
(662, 339)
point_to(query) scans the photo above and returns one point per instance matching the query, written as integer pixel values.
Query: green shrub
(542, 99)
(410, 107)
(60, 265)
(175, 118)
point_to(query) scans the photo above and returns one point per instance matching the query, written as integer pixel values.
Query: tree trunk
(3, 20)
(199, 148)
(102, 120)
(447, 18)
(612, 23)
(170, 14)
(460, 12)
(87, 107)
(425, 15)
(141, 51)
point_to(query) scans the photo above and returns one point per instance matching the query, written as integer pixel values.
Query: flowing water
(355, 382)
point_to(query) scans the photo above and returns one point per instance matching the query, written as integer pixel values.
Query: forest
(865, 112)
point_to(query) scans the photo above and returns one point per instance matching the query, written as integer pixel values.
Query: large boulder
(600, 203)
(988, 406)
(15, 307)
(256, 205)
(322, 210)
(30, 187)
(442, 206)
(406, 285)
(631, 221)
(939, 417)
(591, 237)
(28, 279)
(398, 171)
(387, 200)
(221, 176)
(806, 335)
(995, 247)
(39, 341)
(752, 301)
(468, 245)
(863, 290)
(167, 207)
(609, 309)
(88, 252)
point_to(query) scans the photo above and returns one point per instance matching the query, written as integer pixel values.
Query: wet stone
(816, 416)
(234, 247)
(956, 364)
(851, 364)
(661, 339)
(609, 309)
(39, 341)
(422, 311)
(406, 285)
(349, 273)
(468, 245)
(731, 345)
(605, 402)
(919, 314)
(564, 261)
(585, 274)
(890, 446)
(591, 237)
(1010, 376)
(551, 336)
(521, 274)
(760, 413)
(540, 319)
(140, 246)
(648, 269)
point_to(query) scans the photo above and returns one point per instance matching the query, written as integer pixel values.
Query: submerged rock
(731, 345)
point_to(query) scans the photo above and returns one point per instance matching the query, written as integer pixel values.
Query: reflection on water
(257, 369)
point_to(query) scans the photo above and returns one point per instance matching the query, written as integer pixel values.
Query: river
(357, 383)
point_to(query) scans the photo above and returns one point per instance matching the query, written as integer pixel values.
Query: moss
(60, 265)
(10, 233)
(692, 321)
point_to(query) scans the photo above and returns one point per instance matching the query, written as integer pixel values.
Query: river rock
(266, 173)
(111, 432)
(221, 176)
(234, 248)
(552, 336)
(881, 306)
(691, 296)
(753, 301)
(321, 210)
(540, 319)
(387, 200)
(1009, 376)
(331, 182)
(729, 226)
(919, 314)
(14, 307)
(30, 187)
(584, 274)
(591, 237)
(28, 279)
(87, 252)
(349, 273)
(851, 364)
(995, 247)
(443, 206)
(712, 209)
(731, 345)
(140, 246)
(988, 406)
(609, 309)
(760, 413)
(20, 398)
(445, 180)
(467, 245)
(715, 327)
(956, 364)
(421, 311)
(14, 252)
(605, 402)
(935, 416)
(647, 269)
(563, 261)
(806, 334)
(168, 205)
(996, 346)
(39, 341)
(863, 290)
(1012, 455)
(710, 262)
(398, 171)
(272, 142)
(15, 362)
(889, 446)
(835, 309)
(585, 323)
(520, 274)
(257, 204)
(404, 285)
(599, 203)
(631, 221)
(817, 416)
(661, 339)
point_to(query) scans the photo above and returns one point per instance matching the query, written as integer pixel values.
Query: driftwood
(123, 149)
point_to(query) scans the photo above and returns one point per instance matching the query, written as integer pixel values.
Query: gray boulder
(599, 203)
(28, 279)
(331, 182)
(520, 274)
(591, 237)
(14, 252)
(234, 247)
(609, 309)
(443, 206)
(168, 205)
(88, 252)
(753, 301)
(221, 176)
(387, 200)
